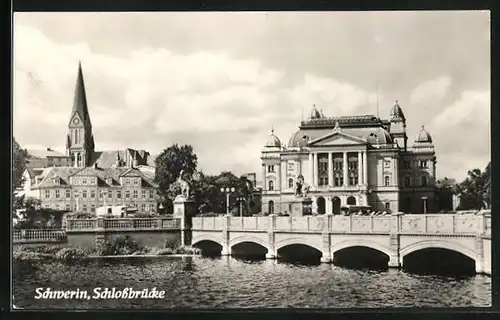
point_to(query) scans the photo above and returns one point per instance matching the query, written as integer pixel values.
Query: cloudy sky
(220, 81)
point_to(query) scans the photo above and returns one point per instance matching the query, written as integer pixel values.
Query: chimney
(48, 149)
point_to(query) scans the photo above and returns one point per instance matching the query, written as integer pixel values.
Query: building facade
(354, 160)
(85, 189)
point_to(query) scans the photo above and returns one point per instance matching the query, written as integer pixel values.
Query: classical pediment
(337, 138)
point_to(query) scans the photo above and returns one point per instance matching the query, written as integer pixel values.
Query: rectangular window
(92, 193)
(127, 181)
(323, 181)
(74, 207)
(84, 181)
(387, 206)
(68, 207)
(136, 194)
(56, 207)
(270, 168)
(143, 193)
(143, 207)
(110, 194)
(47, 193)
(118, 194)
(151, 194)
(137, 181)
(423, 164)
(127, 194)
(84, 193)
(152, 207)
(77, 193)
(84, 208)
(92, 208)
(101, 194)
(68, 193)
(109, 181)
(57, 193)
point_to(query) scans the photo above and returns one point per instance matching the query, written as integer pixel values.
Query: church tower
(80, 140)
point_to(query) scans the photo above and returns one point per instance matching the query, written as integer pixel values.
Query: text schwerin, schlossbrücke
(99, 293)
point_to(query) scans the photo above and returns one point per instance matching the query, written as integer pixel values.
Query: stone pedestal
(307, 206)
(185, 209)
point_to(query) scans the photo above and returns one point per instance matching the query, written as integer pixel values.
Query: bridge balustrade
(398, 223)
(121, 224)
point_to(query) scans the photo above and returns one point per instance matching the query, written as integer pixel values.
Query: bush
(121, 245)
(164, 252)
(187, 250)
(70, 254)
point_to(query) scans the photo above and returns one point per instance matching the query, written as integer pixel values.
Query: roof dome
(273, 140)
(423, 136)
(379, 136)
(397, 112)
(315, 114)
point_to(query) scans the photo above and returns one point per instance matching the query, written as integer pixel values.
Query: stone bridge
(395, 235)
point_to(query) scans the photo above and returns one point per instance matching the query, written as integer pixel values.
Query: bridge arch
(292, 241)
(438, 244)
(250, 239)
(206, 237)
(362, 243)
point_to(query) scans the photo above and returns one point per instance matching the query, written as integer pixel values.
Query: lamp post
(241, 200)
(228, 191)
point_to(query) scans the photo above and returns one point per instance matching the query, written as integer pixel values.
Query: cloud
(430, 92)
(222, 83)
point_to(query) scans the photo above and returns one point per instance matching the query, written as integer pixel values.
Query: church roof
(423, 136)
(80, 98)
(44, 153)
(107, 159)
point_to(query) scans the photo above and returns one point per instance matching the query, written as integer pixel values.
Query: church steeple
(80, 140)
(80, 98)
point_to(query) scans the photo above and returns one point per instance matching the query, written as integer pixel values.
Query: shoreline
(143, 256)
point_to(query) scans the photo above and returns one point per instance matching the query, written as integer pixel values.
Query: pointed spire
(80, 98)
(272, 129)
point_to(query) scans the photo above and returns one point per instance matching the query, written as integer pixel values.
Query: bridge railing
(122, 224)
(38, 235)
(397, 223)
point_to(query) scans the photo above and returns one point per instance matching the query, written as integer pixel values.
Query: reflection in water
(227, 282)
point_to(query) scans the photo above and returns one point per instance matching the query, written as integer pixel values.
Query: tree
(475, 190)
(18, 167)
(168, 167)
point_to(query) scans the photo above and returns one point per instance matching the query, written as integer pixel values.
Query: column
(315, 157)
(328, 204)
(396, 171)
(360, 171)
(330, 168)
(345, 168)
(365, 168)
(278, 176)
(311, 169)
(264, 185)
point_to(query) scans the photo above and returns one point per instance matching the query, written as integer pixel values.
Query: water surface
(225, 282)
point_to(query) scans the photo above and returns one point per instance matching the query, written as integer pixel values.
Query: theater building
(350, 160)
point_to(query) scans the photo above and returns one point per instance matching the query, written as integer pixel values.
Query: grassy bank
(119, 246)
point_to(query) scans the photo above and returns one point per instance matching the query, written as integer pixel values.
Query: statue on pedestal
(184, 186)
(301, 189)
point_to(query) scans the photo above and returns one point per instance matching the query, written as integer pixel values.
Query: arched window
(351, 201)
(271, 185)
(290, 183)
(424, 181)
(387, 181)
(271, 206)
